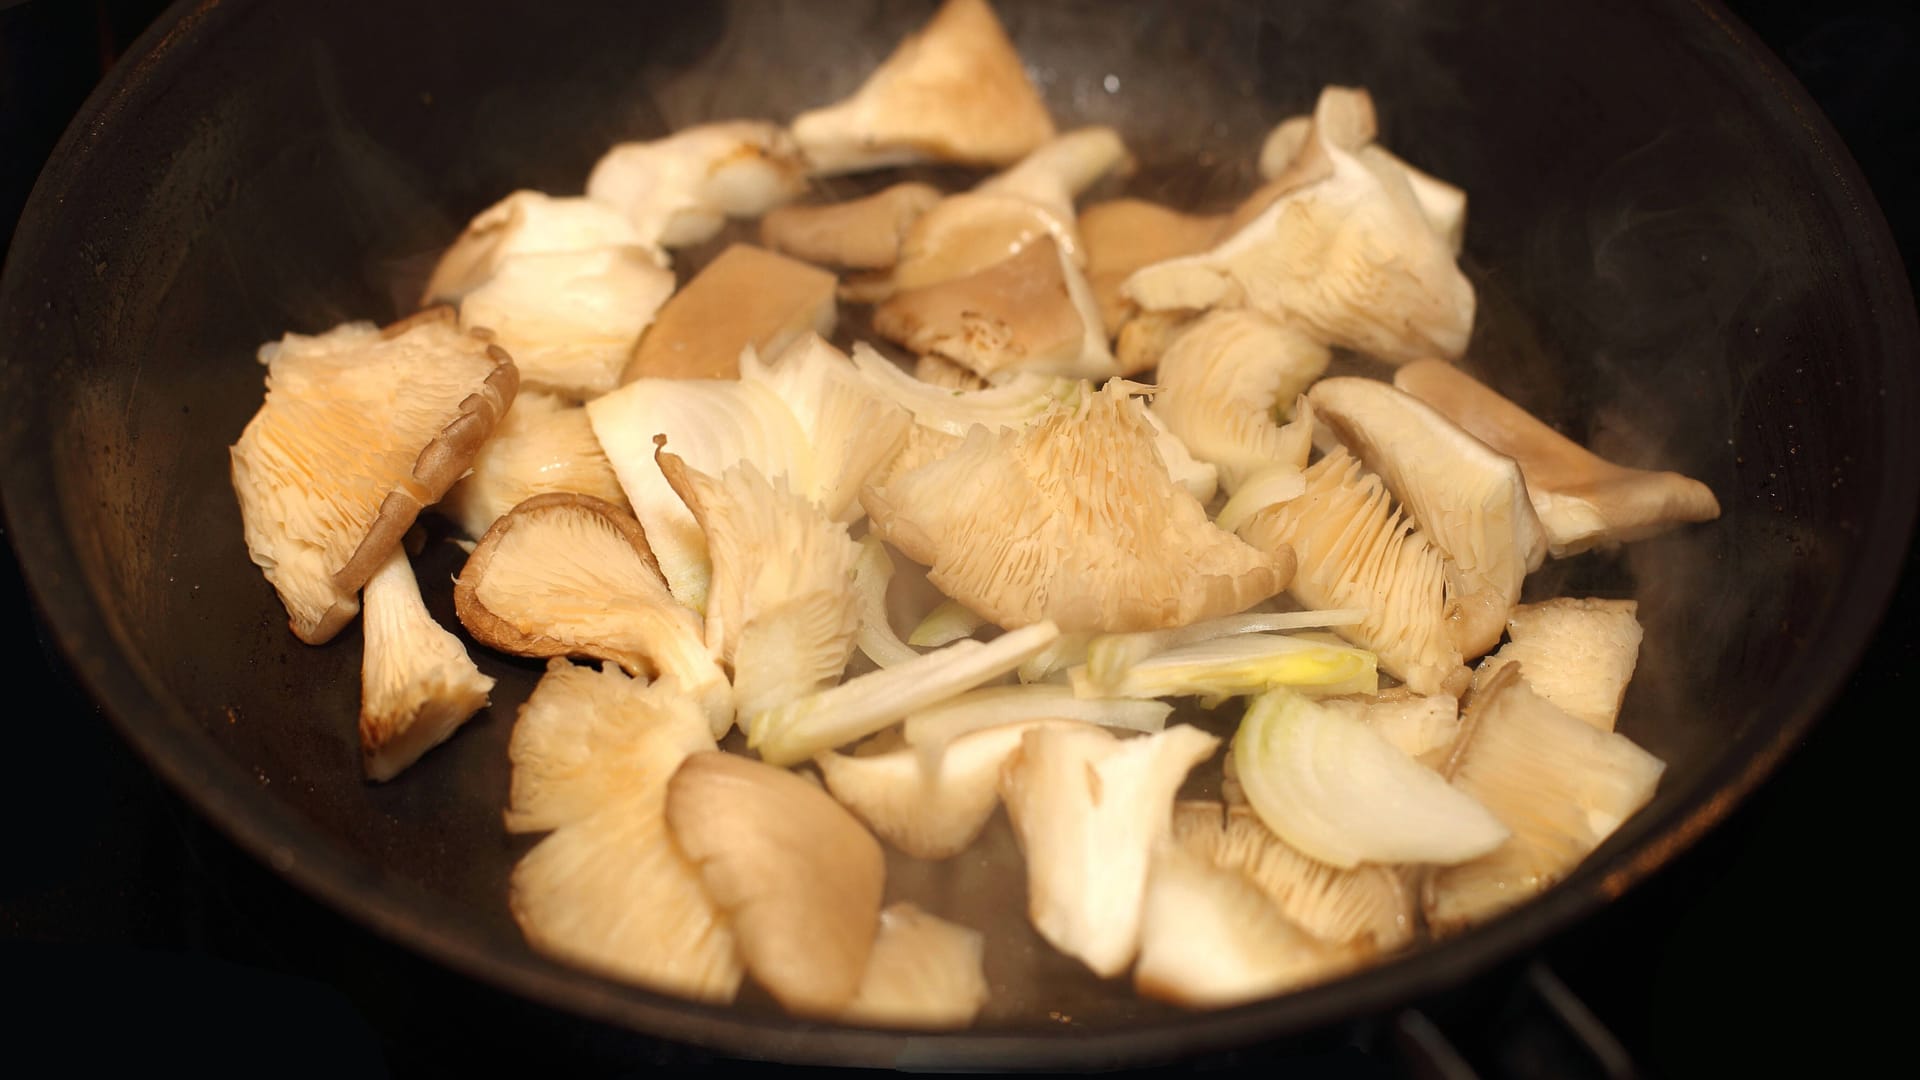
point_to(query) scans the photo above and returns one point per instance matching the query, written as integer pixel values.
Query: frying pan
(1677, 264)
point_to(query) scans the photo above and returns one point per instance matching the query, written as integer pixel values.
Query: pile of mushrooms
(1109, 435)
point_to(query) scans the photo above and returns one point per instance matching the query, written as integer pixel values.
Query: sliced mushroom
(940, 371)
(360, 430)
(565, 574)
(924, 973)
(417, 684)
(1020, 314)
(1348, 256)
(1222, 382)
(1443, 205)
(679, 190)
(1367, 906)
(1467, 498)
(612, 893)
(527, 223)
(1561, 785)
(587, 738)
(1074, 519)
(1583, 500)
(1209, 938)
(928, 805)
(1579, 654)
(570, 319)
(782, 610)
(863, 234)
(1355, 550)
(1088, 809)
(796, 874)
(1146, 336)
(745, 297)
(1422, 726)
(953, 91)
(543, 444)
(1124, 235)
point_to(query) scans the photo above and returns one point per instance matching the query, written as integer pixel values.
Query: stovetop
(131, 932)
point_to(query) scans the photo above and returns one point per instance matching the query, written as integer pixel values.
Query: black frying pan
(1676, 261)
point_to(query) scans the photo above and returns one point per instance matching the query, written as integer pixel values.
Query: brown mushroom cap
(1016, 314)
(1123, 235)
(925, 972)
(566, 574)
(797, 875)
(956, 91)
(1469, 499)
(863, 233)
(1583, 500)
(361, 429)
(747, 296)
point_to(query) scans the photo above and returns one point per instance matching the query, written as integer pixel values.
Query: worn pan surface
(1677, 263)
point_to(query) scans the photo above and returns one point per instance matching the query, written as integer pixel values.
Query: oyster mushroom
(1579, 654)
(1468, 499)
(1355, 550)
(745, 297)
(861, 234)
(1209, 938)
(929, 806)
(1559, 784)
(1221, 383)
(528, 223)
(1367, 906)
(678, 191)
(1347, 256)
(543, 444)
(570, 318)
(1422, 726)
(360, 430)
(1123, 235)
(924, 972)
(588, 737)
(1583, 500)
(953, 91)
(798, 877)
(1443, 205)
(1088, 809)
(566, 574)
(1072, 518)
(1338, 791)
(782, 610)
(417, 684)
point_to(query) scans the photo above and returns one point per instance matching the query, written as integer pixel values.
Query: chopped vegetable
(417, 684)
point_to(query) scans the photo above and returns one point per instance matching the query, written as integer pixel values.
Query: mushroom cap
(953, 91)
(543, 444)
(1019, 314)
(1366, 906)
(799, 878)
(924, 972)
(1123, 235)
(746, 296)
(1560, 784)
(1209, 938)
(679, 190)
(1579, 654)
(586, 738)
(1583, 500)
(360, 430)
(1349, 255)
(1072, 518)
(1443, 205)
(527, 223)
(612, 893)
(1223, 381)
(1354, 550)
(565, 574)
(417, 684)
(1422, 726)
(569, 318)
(1469, 499)
(864, 233)
(1087, 809)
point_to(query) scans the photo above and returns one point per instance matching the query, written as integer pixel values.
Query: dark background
(133, 933)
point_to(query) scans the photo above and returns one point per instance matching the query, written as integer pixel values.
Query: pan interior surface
(1676, 265)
